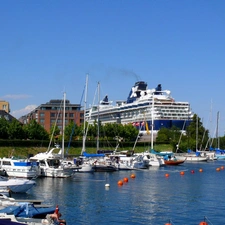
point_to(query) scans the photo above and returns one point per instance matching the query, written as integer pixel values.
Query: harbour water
(149, 198)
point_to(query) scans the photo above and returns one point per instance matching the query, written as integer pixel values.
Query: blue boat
(27, 210)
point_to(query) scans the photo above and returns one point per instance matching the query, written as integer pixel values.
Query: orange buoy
(192, 171)
(203, 223)
(168, 223)
(200, 170)
(218, 169)
(167, 175)
(120, 182)
(125, 179)
(222, 167)
(132, 175)
(182, 173)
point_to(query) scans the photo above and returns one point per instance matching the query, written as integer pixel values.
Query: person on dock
(56, 218)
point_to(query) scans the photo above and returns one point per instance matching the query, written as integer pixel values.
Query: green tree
(4, 124)
(197, 135)
(72, 131)
(34, 130)
(15, 130)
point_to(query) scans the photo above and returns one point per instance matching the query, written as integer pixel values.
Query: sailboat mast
(152, 121)
(85, 108)
(196, 145)
(98, 117)
(217, 131)
(63, 127)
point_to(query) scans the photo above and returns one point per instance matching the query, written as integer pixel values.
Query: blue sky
(48, 47)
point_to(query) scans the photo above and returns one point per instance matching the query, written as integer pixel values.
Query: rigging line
(55, 125)
(74, 125)
(203, 137)
(180, 136)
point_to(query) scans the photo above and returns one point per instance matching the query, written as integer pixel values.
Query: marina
(182, 194)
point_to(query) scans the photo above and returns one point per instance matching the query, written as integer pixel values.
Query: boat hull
(173, 162)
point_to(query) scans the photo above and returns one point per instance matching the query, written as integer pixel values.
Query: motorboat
(27, 210)
(192, 157)
(104, 164)
(84, 164)
(16, 185)
(154, 159)
(19, 167)
(11, 219)
(173, 161)
(51, 164)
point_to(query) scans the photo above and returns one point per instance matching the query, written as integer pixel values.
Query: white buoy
(107, 185)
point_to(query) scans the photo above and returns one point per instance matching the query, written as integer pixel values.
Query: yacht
(52, 165)
(18, 167)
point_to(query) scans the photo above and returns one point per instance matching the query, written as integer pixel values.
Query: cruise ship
(143, 108)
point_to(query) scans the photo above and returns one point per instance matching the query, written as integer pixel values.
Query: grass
(24, 151)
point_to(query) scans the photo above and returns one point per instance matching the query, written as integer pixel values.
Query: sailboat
(219, 153)
(192, 156)
(53, 164)
(152, 156)
(85, 163)
(101, 162)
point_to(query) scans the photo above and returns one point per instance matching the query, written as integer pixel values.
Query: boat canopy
(92, 155)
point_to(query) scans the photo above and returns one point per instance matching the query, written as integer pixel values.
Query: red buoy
(120, 182)
(167, 175)
(203, 223)
(182, 173)
(132, 175)
(125, 179)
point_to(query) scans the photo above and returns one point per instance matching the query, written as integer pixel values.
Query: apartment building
(51, 113)
(4, 106)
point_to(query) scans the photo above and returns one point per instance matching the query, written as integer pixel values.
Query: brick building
(51, 113)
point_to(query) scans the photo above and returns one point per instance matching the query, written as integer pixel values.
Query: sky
(47, 47)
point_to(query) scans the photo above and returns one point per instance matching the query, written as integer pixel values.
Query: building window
(42, 120)
(71, 115)
(42, 115)
(52, 114)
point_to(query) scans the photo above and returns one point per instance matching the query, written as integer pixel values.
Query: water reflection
(150, 198)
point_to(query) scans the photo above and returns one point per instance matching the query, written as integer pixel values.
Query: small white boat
(191, 157)
(84, 164)
(15, 167)
(154, 159)
(8, 219)
(51, 164)
(16, 185)
(124, 162)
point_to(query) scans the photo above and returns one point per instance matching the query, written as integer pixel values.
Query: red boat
(174, 162)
